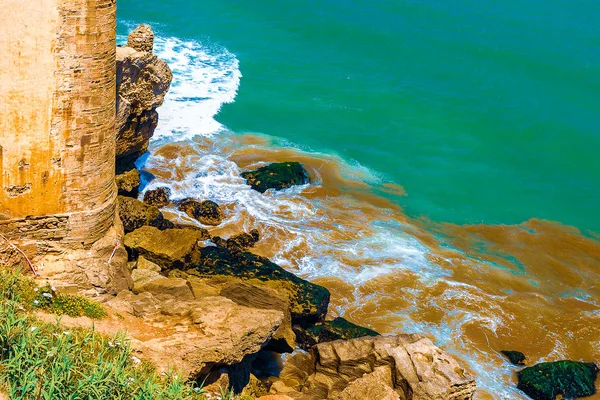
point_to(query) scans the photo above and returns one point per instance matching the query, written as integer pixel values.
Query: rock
(175, 287)
(248, 295)
(329, 331)
(141, 38)
(135, 214)
(141, 277)
(276, 176)
(143, 264)
(169, 248)
(515, 357)
(157, 197)
(206, 212)
(308, 301)
(128, 183)
(409, 365)
(142, 83)
(242, 241)
(255, 388)
(571, 379)
(200, 288)
(275, 397)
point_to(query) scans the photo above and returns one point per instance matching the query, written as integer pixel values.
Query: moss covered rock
(308, 301)
(329, 331)
(276, 176)
(570, 379)
(158, 197)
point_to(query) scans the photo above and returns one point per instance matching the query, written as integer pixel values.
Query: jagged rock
(242, 241)
(276, 176)
(141, 38)
(410, 366)
(546, 381)
(128, 183)
(308, 301)
(206, 212)
(169, 248)
(135, 214)
(142, 82)
(515, 357)
(223, 333)
(329, 331)
(158, 197)
(248, 295)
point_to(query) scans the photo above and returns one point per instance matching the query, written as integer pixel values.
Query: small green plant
(65, 304)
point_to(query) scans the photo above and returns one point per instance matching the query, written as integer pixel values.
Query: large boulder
(276, 176)
(142, 82)
(171, 248)
(135, 214)
(373, 368)
(308, 301)
(570, 379)
(207, 212)
(329, 331)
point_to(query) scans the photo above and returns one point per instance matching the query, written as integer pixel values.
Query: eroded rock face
(277, 176)
(135, 214)
(546, 381)
(142, 83)
(329, 331)
(405, 367)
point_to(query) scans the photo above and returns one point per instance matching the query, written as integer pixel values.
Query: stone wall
(57, 118)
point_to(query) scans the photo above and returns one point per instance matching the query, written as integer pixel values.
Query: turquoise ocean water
(485, 112)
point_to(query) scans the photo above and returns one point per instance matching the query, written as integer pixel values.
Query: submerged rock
(329, 331)
(571, 379)
(308, 301)
(128, 183)
(515, 357)
(158, 197)
(206, 212)
(135, 214)
(375, 368)
(276, 176)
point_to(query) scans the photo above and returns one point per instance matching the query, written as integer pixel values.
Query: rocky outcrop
(142, 82)
(128, 183)
(136, 214)
(170, 248)
(308, 301)
(206, 212)
(405, 367)
(158, 197)
(570, 379)
(329, 331)
(276, 176)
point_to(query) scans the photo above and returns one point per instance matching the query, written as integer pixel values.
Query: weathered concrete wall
(57, 118)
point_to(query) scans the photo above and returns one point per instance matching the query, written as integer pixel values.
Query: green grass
(43, 361)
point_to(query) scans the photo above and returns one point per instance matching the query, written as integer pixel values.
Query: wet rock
(515, 357)
(170, 248)
(128, 183)
(142, 82)
(158, 197)
(141, 38)
(276, 176)
(134, 214)
(240, 242)
(329, 331)
(206, 212)
(410, 366)
(546, 381)
(308, 301)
